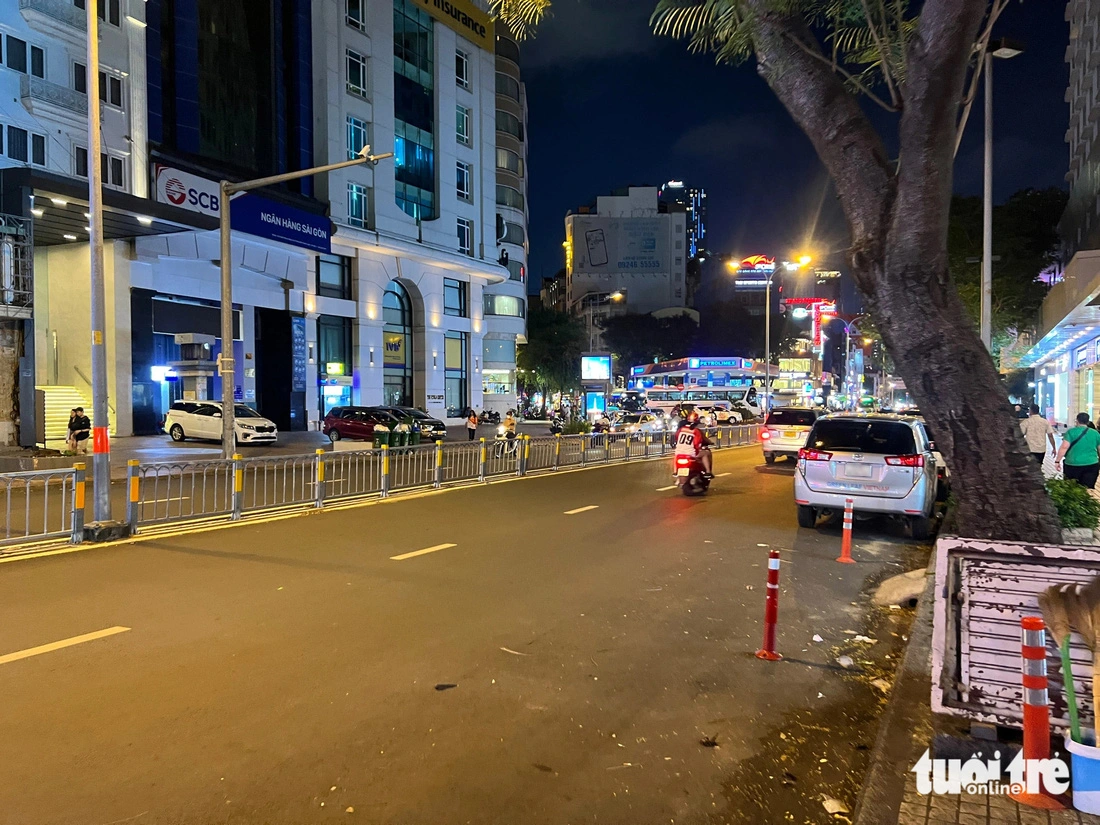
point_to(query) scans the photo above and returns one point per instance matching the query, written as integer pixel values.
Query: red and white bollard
(1036, 706)
(771, 610)
(846, 536)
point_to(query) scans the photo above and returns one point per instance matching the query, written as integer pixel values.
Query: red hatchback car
(355, 423)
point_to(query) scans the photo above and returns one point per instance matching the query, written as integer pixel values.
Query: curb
(905, 728)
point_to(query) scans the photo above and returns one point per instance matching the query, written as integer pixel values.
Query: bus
(734, 383)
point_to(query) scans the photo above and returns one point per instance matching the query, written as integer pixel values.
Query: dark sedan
(430, 429)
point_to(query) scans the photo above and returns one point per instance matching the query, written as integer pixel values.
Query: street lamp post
(1003, 49)
(227, 365)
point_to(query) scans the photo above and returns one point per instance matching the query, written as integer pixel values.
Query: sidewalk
(907, 729)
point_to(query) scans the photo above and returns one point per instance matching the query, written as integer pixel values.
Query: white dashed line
(52, 646)
(669, 487)
(582, 509)
(423, 552)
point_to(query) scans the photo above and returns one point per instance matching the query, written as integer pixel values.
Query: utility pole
(226, 191)
(987, 211)
(101, 447)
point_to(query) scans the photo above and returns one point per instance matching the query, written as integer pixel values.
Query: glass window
(510, 124)
(397, 346)
(357, 136)
(454, 361)
(355, 15)
(498, 350)
(853, 435)
(462, 69)
(17, 144)
(38, 62)
(465, 236)
(791, 418)
(413, 46)
(17, 54)
(509, 161)
(509, 196)
(80, 78)
(516, 270)
(513, 233)
(358, 208)
(507, 86)
(503, 305)
(496, 382)
(38, 149)
(334, 276)
(113, 170)
(454, 297)
(414, 110)
(110, 11)
(110, 89)
(80, 161)
(414, 170)
(357, 73)
(465, 181)
(462, 125)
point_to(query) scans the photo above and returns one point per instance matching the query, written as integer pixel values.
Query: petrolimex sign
(463, 17)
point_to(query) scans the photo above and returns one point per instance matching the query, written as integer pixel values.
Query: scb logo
(177, 192)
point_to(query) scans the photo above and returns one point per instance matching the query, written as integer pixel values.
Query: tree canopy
(555, 341)
(639, 339)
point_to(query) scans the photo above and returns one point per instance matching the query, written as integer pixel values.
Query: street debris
(818, 638)
(445, 686)
(514, 652)
(902, 590)
(845, 661)
(865, 640)
(709, 742)
(349, 810)
(835, 806)
(881, 684)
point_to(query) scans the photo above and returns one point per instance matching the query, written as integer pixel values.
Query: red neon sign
(761, 263)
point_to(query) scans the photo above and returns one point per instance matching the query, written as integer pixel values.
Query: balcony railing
(55, 94)
(61, 10)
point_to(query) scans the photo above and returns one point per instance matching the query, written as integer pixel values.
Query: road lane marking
(582, 509)
(423, 552)
(52, 646)
(669, 487)
(723, 475)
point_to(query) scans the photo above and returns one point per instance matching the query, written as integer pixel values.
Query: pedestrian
(1081, 451)
(70, 442)
(1016, 408)
(1037, 432)
(81, 428)
(471, 423)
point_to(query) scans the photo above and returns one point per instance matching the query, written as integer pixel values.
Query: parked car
(884, 463)
(203, 419)
(785, 431)
(355, 423)
(637, 423)
(430, 429)
(943, 482)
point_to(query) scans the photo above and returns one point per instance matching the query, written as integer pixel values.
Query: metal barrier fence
(160, 493)
(42, 504)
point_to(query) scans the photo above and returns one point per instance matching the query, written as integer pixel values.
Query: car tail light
(814, 455)
(765, 435)
(905, 460)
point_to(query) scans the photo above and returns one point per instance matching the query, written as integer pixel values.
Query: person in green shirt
(1081, 453)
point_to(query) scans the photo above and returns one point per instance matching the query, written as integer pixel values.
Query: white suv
(203, 419)
(785, 431)
(884, 463)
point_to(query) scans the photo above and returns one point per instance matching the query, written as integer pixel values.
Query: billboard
(187, 191)
(620, 244)
(595, 367)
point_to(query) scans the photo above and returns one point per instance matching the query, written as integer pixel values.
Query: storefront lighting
(59, 202)
(38, 213)
(144, 221)
(435, 360)
(69, 237)
(372, 356)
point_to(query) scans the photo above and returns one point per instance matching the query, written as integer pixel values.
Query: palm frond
(521, 17)
(709, 25)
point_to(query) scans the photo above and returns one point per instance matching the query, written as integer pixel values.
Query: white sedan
(203, 420)
(637, 423)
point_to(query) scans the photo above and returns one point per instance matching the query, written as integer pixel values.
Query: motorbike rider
(509, 425)
(691, 441)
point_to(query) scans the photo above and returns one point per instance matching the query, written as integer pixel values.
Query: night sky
(611, 105)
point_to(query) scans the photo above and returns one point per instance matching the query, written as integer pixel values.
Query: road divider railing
(49, 504)
(42, 504)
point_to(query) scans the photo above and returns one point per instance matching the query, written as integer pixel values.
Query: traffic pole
(846, 536)
(771, 610)
(1033, 643)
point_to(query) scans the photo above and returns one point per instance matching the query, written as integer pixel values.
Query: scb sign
(187, 191)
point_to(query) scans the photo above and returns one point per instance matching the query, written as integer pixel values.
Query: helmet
(692, 417)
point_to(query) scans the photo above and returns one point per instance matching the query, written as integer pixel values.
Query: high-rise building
(694, 203)
(369, 285)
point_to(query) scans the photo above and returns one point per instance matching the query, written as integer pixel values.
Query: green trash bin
(414, 437)
(381, 438)
(399, 439)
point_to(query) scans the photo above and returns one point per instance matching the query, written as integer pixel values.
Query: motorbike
(557, 425)
(505, 446)
(689, 474)
(488, 417)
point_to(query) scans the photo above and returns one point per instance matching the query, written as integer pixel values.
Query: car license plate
(857, 470)
(683, 471)
(790, 433)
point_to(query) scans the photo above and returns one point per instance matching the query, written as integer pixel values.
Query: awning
(59, 207)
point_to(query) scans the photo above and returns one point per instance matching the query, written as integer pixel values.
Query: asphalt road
(575, 648)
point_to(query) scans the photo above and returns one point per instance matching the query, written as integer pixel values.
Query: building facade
(627, 255)
(368, 285)
(1064, 353)
(693, 202)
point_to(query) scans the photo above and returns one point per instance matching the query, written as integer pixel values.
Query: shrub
(577, 427)
(1076, 506)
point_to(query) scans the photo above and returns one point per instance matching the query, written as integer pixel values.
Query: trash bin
(381, 437)
(414, 437)
(399, 439)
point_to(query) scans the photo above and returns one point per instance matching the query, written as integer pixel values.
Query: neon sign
(758, 263)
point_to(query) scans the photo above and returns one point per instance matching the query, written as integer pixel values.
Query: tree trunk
(11, 348)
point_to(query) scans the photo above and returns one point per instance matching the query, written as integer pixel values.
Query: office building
(693, 202)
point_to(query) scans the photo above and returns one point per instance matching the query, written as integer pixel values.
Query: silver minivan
(784, 432)
(884, 463)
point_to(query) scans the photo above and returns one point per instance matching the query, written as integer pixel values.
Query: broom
(1085, 618)
(1056, 602)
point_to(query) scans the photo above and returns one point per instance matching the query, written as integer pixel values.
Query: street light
(1003, 49)
(803, 262)
(227, 365)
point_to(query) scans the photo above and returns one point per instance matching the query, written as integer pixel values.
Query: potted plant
(1078, 511)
